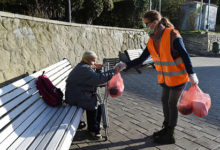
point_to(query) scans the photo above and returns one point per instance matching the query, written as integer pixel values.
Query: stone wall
(213, 37)
(195, 42)
(200, 43)
(28, 43)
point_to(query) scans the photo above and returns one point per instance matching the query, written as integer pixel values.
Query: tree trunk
(90, 20)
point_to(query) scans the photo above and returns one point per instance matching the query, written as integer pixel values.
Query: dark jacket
(81, 86)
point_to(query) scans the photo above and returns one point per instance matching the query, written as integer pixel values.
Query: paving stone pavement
(138, 113)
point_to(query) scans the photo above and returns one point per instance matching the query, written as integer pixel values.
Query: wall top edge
(18, 16)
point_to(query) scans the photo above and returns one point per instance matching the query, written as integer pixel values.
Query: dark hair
(155, 15)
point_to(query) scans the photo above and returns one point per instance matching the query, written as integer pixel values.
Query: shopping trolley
(102, 95)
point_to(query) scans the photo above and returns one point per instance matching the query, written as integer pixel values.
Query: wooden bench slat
(8, 97)
(23, 81)
(59, 68)
(16, 101)
(39, 138)
(135, 55)
(34, 127)
(14, 113)
(60, 73)
(16, 133)
(61, 130)
(35, 132)
(16, 123)
(68, 137)
(62, 79)
(52, 131)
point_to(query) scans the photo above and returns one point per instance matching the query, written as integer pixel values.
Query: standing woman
(173, 65)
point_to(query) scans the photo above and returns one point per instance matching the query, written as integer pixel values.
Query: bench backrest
(133, 53)
(21, 103)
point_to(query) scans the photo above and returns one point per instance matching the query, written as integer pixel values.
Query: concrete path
(138, 113)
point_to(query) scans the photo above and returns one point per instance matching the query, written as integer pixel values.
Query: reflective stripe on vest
(174, 73)
(169, 63)
(171, 72)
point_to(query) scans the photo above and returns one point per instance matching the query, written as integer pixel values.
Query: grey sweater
(81, 86)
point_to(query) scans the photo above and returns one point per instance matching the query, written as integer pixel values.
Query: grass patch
(192, 31)
(196, 31)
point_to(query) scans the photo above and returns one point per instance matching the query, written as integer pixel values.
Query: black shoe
(159, 133)
(82, 125)
(162, 131)
(96, 135)
(166, 138)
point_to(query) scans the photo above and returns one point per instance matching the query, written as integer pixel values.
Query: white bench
(135, 53)
(27, 122)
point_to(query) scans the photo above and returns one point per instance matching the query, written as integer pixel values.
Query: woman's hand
(193, 79)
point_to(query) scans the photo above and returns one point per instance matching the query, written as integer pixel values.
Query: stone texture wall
(200, 43)
(28, 44)
(213, 37)
(196, 42)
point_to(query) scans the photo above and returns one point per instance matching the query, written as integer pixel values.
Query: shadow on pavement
(132, 144)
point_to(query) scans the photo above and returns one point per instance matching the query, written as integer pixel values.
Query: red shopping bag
(116, 85)
(185, 105)
(201, 102)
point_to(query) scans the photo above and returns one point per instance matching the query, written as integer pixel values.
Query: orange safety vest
(171, 72)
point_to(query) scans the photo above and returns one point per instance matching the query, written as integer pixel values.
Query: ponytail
(165, 21)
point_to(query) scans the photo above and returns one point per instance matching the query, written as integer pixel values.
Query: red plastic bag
(194, 100)
(201, 102)
(116, 85)
(185, 105)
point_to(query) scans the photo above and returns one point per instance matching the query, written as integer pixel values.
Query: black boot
(162, 131)
(166, 138)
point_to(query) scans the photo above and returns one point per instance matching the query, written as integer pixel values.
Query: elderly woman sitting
(81, 86)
